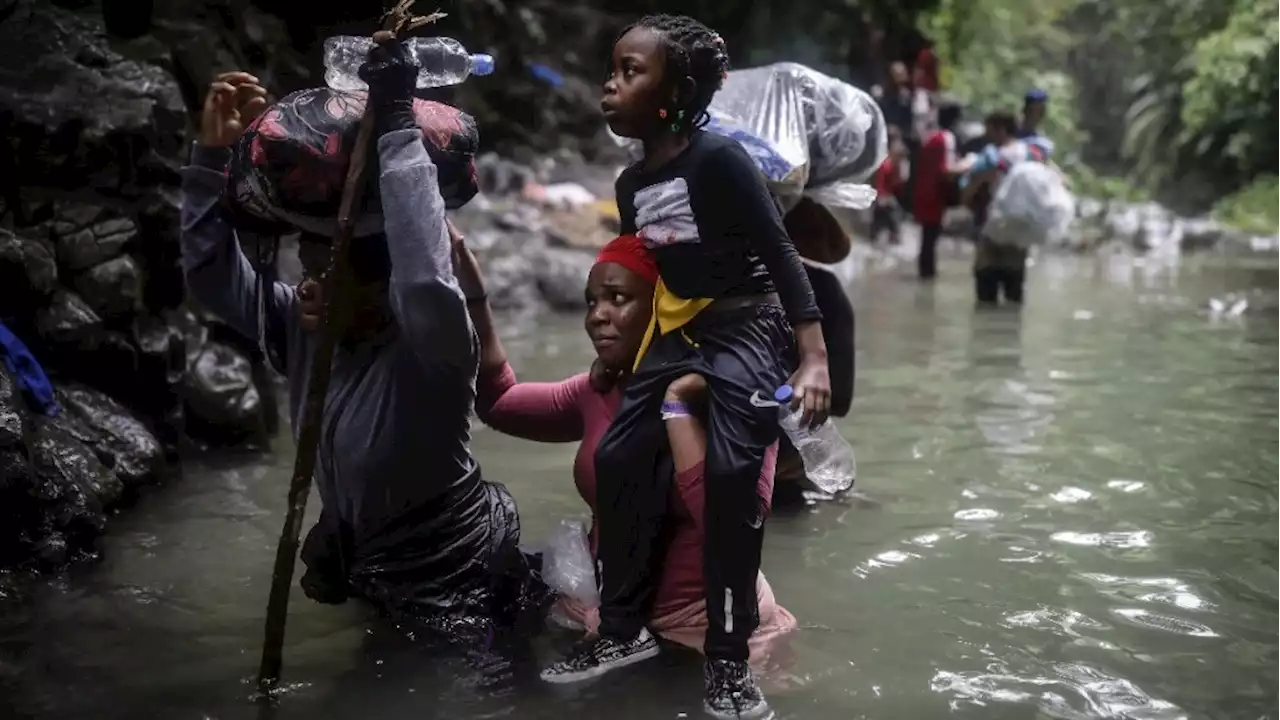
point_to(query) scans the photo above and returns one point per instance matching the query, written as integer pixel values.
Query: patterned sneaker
(732, 693)
(596, 656)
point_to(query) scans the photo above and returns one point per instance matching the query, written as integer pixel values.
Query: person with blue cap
(1034, 106)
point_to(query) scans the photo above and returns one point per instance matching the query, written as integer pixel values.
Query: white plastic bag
(809, 133)
(1031, 206)
(853, 196)
(567, 566)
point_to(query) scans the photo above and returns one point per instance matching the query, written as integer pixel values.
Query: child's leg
(634, 476)
(744, 362)
(631, 496)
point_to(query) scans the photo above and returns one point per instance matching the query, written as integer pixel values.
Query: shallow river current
(1070, 512)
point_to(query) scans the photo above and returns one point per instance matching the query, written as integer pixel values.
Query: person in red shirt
(927, 66)
(936, 171)
(888, 183)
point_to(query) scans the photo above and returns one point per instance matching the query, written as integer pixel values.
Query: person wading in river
(619, 299)
(407, 521)
(731, 304)
(997, 269)
(821, 242)
(936, 173)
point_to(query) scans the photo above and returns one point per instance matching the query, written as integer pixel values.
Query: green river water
(1071, 513)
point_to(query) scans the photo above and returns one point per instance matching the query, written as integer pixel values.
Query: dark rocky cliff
(97, 105)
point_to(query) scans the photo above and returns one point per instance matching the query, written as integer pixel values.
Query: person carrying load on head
(407, 521)
(822, 242)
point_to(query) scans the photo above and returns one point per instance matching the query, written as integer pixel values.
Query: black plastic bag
(452, 565)
(290, 165)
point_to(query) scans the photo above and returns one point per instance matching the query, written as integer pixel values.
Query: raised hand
(391, 73)
(234, 100)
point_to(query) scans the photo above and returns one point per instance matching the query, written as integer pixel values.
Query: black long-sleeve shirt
(714, 228)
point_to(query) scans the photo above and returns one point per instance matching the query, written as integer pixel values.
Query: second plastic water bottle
(828, 458)
(441, 61)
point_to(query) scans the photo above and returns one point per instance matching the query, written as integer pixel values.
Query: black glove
(391, 74)
(324, 551)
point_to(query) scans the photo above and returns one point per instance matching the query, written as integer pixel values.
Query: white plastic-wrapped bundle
(810, 133)
(1031, 206)
(567, 566)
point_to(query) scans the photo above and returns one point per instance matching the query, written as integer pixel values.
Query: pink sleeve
(542, 412)
(693, 492)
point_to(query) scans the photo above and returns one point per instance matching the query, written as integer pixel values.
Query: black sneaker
(597, 656)
(732, 693)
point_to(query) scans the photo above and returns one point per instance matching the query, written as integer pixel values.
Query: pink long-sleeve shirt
(570, 411)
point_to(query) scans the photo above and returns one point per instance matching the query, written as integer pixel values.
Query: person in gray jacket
(407, 522)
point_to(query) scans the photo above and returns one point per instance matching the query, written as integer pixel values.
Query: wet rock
(122, 442)
(1202, 234)
(246, 38)
(87, 235)
(162, 361)
(15, 473)
(192, 328)
(28, 272)
(67, 319)
(219, 389)
(79, 112)
(72, 485)
(11, 410)
(159, 248)
(586, 226)
(499, 176)
(112, 288)
(163, 342)
(511, 283)
(561, 276)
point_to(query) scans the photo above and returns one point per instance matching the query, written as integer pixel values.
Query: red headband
(629, 252)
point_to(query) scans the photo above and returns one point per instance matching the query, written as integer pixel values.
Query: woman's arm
(688, 441)
(542, 412)
(218, 274)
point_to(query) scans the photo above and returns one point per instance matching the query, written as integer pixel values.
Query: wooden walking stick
(336, 315)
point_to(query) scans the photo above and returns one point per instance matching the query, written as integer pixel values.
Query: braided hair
(695, 51)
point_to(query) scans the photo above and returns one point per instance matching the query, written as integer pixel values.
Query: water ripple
(1118, 539)
(1165, 623)
(1069, 691)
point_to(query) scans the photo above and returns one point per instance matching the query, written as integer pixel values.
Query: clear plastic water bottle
(828, 458)
(441, 61)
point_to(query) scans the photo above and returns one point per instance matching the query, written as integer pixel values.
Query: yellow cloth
(669, 313)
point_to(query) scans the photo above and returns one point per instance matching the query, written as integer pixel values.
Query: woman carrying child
(730, 292)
